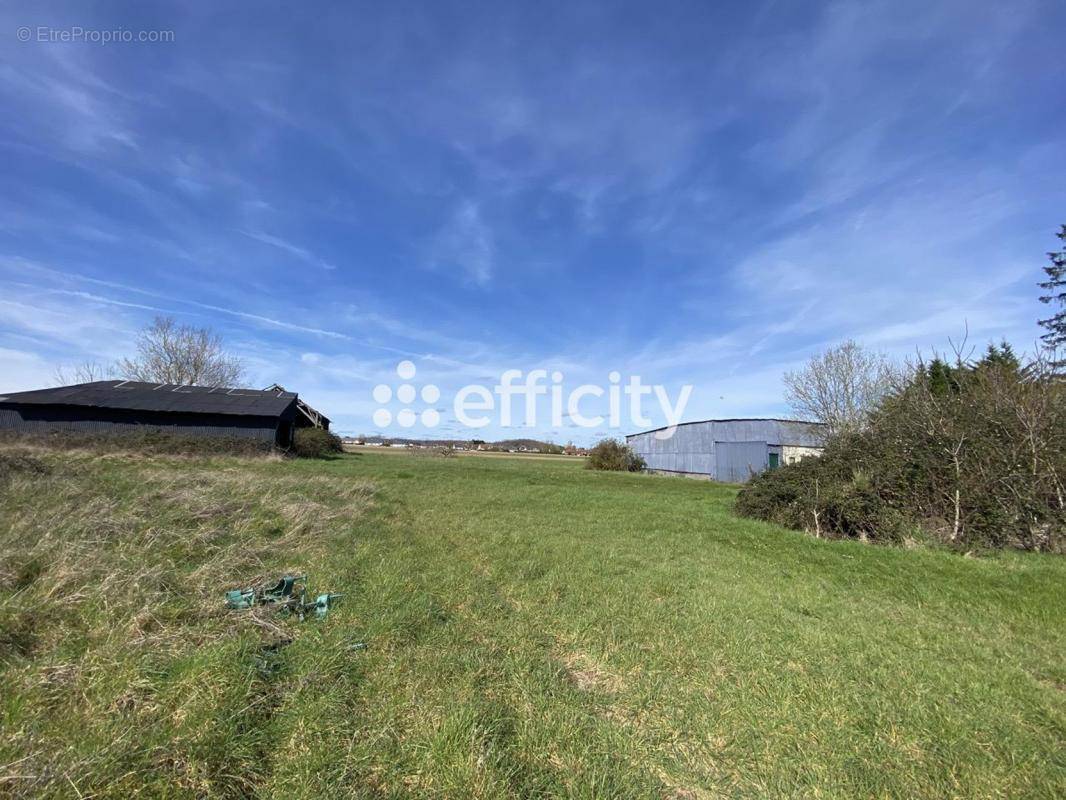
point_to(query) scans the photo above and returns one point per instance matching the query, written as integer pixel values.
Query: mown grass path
(538, 630)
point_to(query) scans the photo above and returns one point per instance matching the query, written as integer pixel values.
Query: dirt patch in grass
(588, 675)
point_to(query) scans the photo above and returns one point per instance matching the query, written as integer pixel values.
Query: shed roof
(135, 395)
(800, 432)
(733, 419)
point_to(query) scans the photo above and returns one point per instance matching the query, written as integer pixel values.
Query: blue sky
(692, 192)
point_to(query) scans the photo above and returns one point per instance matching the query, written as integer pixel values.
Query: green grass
(533, 630)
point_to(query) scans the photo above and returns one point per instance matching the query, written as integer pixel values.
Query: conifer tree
(1055, 286)
(940, 377)
(1001, 355)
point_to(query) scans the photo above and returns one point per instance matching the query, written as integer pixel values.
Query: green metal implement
(289, 595)
(285, 589)
(240, 598)
(323, 603)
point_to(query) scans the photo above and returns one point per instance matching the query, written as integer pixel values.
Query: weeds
(15, 463)
(112, 631)
(149, 442)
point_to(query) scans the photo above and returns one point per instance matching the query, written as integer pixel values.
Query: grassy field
(533, 630)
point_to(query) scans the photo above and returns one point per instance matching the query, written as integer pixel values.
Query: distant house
(730, 450)
(271, 415)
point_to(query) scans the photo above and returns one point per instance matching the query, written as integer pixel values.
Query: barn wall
(40, 418)
(735, 462)
(691, 449)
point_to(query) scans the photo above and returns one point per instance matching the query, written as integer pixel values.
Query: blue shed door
(735, 461)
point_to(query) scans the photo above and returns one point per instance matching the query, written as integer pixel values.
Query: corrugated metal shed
(724, 449)
(123, 406)
(43, 418)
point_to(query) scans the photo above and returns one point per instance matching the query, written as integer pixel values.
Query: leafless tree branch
(181, 354)
(840, 386)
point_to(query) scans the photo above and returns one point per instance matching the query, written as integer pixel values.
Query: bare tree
(181, 354)
(86, 372)
(840, 386)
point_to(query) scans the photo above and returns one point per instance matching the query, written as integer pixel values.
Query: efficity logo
(406, 394)
(520, 399)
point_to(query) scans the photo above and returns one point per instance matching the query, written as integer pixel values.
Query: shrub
(614, 456)
(315, 443)
(974, 455)
(829, 496)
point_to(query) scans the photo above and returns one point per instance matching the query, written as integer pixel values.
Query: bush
(828, 496)
(315, 443)
(973, 455)
(614, 456)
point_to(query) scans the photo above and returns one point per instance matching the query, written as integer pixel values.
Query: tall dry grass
(122, 669)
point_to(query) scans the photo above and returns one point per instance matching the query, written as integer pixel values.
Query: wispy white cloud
(23, 264)
(465, 244)
(270, 321)
(63, 328)
(23, 370)
(73, 108)
(301, 253)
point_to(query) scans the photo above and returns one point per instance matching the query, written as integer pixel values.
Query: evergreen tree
(1055, 286)
(1001, 355)
(941, 378)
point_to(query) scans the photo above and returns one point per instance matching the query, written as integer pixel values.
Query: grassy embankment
(533, 629)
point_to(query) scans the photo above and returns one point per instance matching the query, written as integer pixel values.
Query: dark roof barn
(114, 406)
